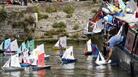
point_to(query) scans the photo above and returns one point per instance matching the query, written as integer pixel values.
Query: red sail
(41, 60)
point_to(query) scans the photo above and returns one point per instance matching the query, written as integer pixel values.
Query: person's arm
(109, 54)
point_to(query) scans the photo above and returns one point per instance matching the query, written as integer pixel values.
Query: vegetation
(42, 16)
(69, 9)
(60, 30)
(35, 9)
(50, 32)
(3, 14)
(59, 25)
(19, 24)
(76, 35)
(29, 20)
(51, 9)
(68, 15)
(76, 26)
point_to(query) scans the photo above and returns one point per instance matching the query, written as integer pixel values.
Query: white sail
(7, 64)
(41, 49)
(34, 57)
(37, 51)
(89, 47)
(62, 42)
(15, 61)
(26, 57)
(68, 54)
(101, 60)
(14, 45)
(1, 46)
(57, 44)
(34, 62)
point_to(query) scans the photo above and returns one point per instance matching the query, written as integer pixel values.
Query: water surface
(82, 68)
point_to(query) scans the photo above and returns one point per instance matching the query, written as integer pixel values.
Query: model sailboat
(12, 64)
(101, 60)
(68, 56)
(38, 56)
(10, 47)
(61, 45)
(88, 51)
(62, 42)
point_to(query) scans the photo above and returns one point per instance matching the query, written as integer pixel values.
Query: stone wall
(83, 11)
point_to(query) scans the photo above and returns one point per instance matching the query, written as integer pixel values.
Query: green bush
(30, 20)
(68, 15)
(76, 35)
(42, 16)
(69, 9)
(51, 9)
(19, 24)
(34, 9)
(50, 32)
(76, 27)
(59, 25)
(3, 14)
(60, 30)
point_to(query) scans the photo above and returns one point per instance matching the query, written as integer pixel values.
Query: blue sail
(23, 47)
(7, 43)
(30, 45)
(19, 50)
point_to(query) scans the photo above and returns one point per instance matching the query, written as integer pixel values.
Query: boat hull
(66, 61)
(11, 69)
(36, 68)
(24, 65)
(9, 53)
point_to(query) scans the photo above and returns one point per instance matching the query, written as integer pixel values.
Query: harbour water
(82, 68)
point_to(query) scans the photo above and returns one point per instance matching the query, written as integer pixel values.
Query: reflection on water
(82, 68)
(69, 66)
(41, 73)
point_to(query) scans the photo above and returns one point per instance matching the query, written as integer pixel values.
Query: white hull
(10, 69)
